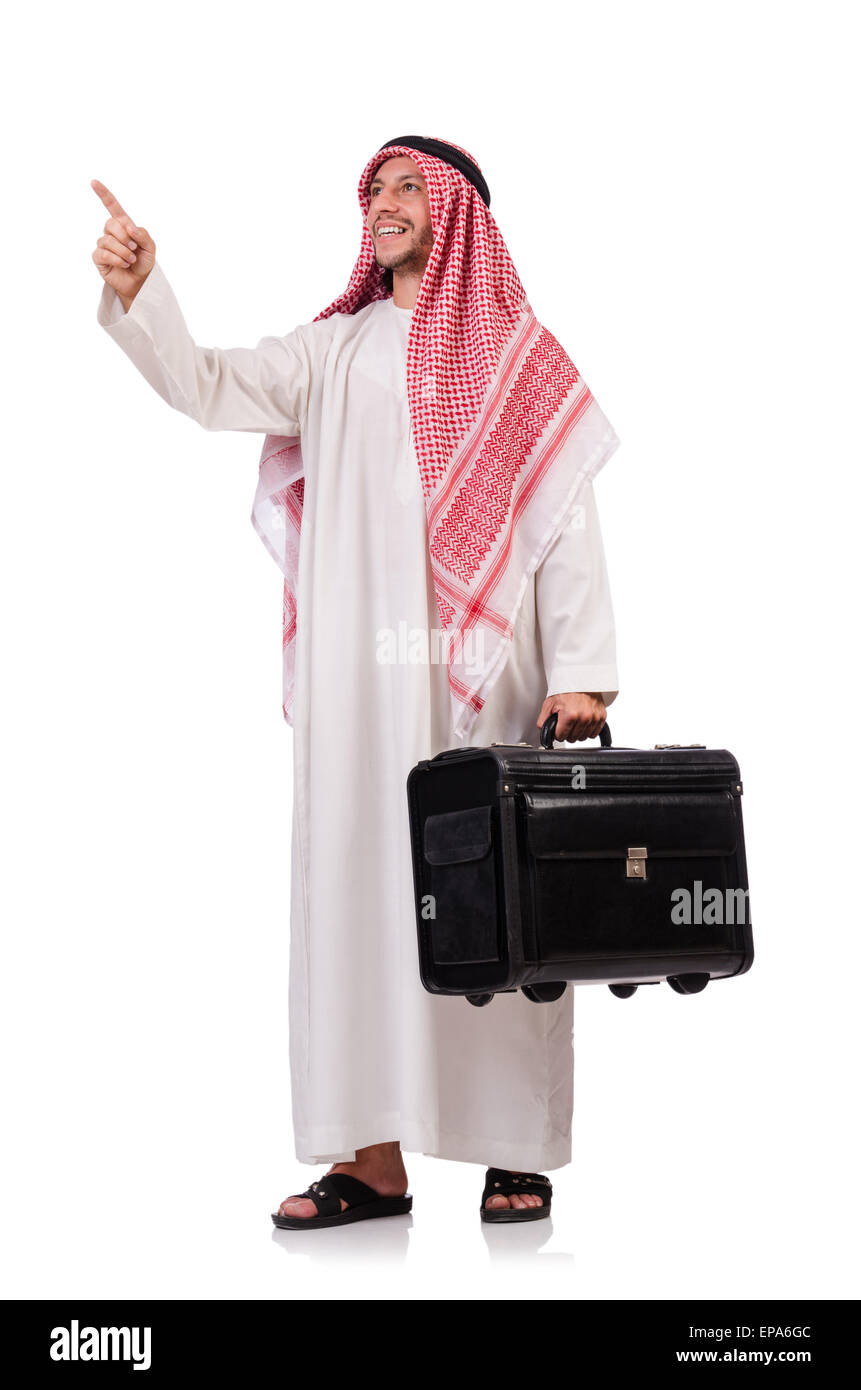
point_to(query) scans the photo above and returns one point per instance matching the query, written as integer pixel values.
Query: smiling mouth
(390, 236)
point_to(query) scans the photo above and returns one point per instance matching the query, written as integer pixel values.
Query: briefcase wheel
(688, 984)
(545, 994)
(479, 1000)
(623, 991)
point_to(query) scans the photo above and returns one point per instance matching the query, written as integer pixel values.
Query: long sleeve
(575, 611)
(263, 390)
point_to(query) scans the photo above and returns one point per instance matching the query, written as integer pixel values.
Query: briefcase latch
(637, 861)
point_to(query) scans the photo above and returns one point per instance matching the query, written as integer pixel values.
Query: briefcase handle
(548, 730)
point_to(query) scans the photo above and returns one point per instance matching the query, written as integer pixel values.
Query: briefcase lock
(637, 862)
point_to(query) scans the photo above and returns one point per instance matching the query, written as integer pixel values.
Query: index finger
(113, 205)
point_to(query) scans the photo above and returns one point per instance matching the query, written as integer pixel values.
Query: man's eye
(375, 189)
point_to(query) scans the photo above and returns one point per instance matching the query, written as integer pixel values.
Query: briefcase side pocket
(461, 869)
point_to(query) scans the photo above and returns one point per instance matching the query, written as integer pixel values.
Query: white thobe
(373, 1056)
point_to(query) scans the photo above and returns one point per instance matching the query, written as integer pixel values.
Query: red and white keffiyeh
(506, 433)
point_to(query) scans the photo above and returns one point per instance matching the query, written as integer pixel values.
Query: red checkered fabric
(506, 433)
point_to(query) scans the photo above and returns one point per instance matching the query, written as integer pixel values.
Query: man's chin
(396, 264)
(403, 264)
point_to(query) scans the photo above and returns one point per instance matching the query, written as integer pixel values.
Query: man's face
(399, 200)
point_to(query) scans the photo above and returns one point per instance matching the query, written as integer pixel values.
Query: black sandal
(499, 1182)
(326, 1194)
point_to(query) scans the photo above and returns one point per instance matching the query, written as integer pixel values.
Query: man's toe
(497, 1201)
(297, 1206)
(302, 1206)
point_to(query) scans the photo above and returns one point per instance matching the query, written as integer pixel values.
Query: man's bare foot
(381, 1166)
(529, 1199)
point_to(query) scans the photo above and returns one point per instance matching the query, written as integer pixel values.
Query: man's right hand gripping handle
(125, 254)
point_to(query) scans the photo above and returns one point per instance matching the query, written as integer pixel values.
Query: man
(434, 447)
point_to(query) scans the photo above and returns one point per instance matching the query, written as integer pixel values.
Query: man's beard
(412, 258)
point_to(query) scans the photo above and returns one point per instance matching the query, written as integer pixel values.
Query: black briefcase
(619, 866)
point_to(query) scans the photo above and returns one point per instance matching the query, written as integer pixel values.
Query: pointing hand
(125, 254)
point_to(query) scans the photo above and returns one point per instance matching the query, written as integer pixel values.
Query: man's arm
(577, 627)
(262, 389)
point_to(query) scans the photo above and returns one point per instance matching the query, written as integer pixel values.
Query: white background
(676, 185)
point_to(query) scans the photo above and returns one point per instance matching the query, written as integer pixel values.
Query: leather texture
(498, 1182)
(327, 1192)
(523, 874)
